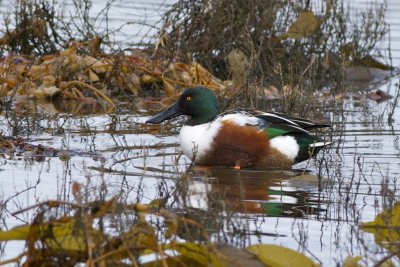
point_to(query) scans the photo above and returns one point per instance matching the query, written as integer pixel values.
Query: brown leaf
(146, 78)
(93, 76)
(49, 80)
(305, 25)
(132, 82)
(169, 89)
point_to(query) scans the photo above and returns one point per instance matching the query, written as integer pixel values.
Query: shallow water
(319, 217)
(115, 153)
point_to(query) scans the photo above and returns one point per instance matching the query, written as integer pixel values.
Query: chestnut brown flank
(237, 146)
(243, 146)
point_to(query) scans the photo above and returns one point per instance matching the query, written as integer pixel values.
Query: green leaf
(277, 256)
(386, 229)
(172, 262)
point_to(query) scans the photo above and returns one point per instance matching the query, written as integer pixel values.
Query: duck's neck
(200, 119)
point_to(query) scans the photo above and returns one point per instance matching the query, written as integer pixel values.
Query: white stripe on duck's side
(320, 144)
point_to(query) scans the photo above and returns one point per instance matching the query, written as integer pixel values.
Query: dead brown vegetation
(281, 43)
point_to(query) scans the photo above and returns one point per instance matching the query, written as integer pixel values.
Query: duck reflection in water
(250, 192)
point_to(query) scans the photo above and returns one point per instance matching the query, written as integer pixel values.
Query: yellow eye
(188, 98)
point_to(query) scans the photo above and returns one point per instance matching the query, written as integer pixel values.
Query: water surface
(316, 207)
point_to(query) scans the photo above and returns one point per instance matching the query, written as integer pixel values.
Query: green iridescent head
(199, 103)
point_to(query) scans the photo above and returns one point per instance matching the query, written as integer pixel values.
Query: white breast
(197, 140)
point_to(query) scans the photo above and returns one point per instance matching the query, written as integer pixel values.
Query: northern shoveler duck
(239, 138)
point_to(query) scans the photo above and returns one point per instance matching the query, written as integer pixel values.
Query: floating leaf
(203, 255)
(386, 229)
(216, 255)
(351, 261)
(238, 257)
(173, 262)
(277, 256)
(305, 25)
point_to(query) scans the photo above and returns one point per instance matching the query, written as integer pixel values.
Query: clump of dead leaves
(95, 77)
(72, 75)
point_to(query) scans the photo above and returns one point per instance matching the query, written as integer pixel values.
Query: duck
(240, 138)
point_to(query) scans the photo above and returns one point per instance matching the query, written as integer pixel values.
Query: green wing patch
(273, 132)
(278, 129)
